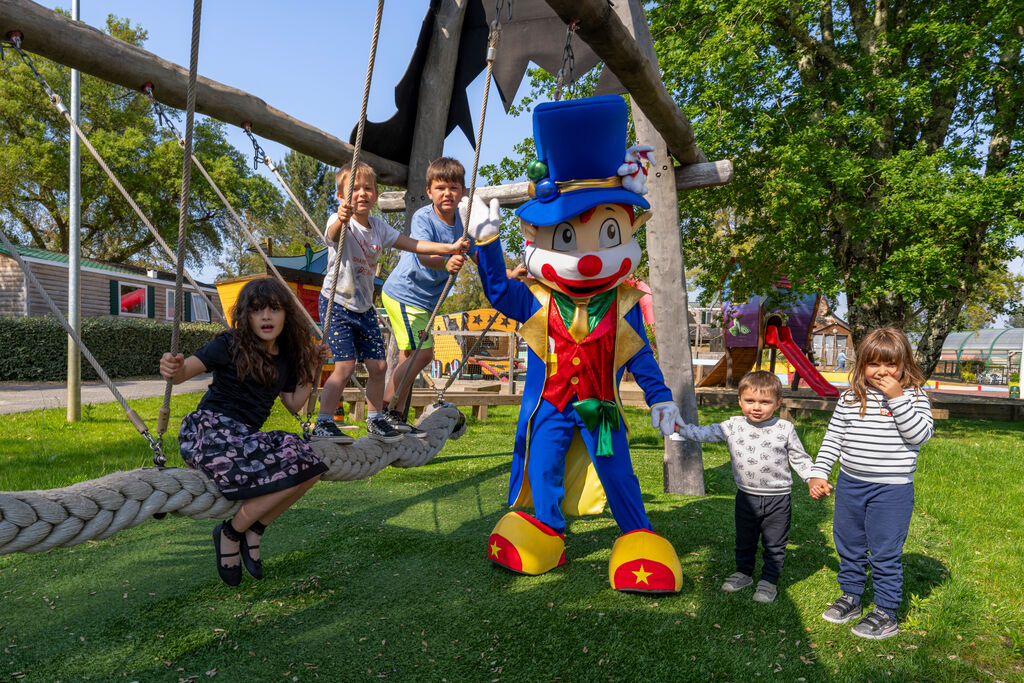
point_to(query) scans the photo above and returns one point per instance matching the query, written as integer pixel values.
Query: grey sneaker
(381, 430)
(843, 610)
(736, 582)
(877, 625)
(415, 432)
(394, 419)
(326, 430)
(765, 591)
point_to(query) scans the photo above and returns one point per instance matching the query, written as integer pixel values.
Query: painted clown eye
(564, 238)
(610, 234)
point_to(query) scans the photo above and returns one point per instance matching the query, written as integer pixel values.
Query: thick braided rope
(36, 521)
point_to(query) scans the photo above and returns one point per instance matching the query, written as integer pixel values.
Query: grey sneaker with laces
(765, 591)
(736, 582)
(381, 430)
(877, 625)
(325, 430)
(843, 610)
(394, 419)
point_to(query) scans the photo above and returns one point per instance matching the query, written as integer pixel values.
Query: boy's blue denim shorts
(353, 336)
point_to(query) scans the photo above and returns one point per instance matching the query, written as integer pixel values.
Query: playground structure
(35, 521)
(759, 323)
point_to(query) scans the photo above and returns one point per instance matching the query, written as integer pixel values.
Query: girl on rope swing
(267, 353)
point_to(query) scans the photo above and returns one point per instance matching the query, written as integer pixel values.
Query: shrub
(35, 348)
(968, 376)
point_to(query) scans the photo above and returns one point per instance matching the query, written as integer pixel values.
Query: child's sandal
(232, 576)
(253, 565)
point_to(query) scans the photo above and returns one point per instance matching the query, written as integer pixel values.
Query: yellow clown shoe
(644, 562)
(526, 545)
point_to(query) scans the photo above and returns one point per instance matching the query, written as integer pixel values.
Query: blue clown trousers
(550, 438)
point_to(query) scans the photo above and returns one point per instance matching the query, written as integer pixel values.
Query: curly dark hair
(294, 343)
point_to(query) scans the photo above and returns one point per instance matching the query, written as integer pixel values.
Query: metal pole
(74, 402)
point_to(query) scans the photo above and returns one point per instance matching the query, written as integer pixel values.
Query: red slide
(783, 339)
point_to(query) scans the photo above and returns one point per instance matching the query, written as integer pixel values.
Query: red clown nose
(589, 265)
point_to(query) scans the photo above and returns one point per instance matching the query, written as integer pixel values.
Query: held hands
(482, 222)
(454, 263)
(344, 213)
(666, 417)
(459, 247)
(518, 272)
(170, 365)
(323, 353)
(818, 488)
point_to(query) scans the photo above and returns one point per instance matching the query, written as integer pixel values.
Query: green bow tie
(604, 414)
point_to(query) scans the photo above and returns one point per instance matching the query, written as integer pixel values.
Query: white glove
(482, 222)
(666, 417)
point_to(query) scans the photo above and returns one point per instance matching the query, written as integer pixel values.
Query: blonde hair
(363, 172)
(761, 380)
(884, 345)
(446, 170)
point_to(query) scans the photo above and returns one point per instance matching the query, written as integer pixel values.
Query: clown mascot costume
(584, 329)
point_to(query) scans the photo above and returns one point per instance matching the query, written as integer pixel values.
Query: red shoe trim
(539, 524)
(507, 555)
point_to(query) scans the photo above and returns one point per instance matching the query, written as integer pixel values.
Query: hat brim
(570, 204)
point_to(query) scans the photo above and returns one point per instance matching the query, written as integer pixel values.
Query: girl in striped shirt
(875, 433)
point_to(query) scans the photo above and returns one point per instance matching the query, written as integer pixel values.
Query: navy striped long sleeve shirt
(882, 446)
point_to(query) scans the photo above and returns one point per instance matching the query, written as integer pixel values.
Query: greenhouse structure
(990, 356)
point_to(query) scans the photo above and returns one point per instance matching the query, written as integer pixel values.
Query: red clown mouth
(584, 287)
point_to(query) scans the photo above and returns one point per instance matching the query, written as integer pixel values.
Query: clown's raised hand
(483, 221)
(666, 417)
(634, 169)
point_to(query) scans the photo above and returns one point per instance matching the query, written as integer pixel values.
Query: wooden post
(436, 84)
(683, 460)
(511, 388)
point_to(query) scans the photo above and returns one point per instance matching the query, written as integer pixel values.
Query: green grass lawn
(388, 577)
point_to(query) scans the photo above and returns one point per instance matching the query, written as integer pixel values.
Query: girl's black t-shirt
(243, 400)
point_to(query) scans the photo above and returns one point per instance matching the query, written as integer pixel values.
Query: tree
(877, 148)
(312, 182)
(146, 159)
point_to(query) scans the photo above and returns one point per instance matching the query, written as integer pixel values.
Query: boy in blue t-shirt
(412, 290)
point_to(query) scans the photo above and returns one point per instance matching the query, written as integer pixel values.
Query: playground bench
(421, 398)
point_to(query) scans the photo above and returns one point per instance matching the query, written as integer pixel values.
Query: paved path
(17, 397)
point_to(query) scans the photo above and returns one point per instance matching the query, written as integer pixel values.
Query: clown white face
(587, 254)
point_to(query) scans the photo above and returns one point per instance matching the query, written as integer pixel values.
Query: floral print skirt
(243, 462)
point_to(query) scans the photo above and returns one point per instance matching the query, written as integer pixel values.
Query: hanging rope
(133, 417)
(492, 51)
(186, 191)
(356, 149)
(260, 156)
(55, 100)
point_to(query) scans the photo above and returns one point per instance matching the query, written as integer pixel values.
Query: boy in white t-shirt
(354, 332)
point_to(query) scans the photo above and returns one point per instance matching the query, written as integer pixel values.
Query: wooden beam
(609, 37)
(690, 177)
(82, 47)
(436, 83)
(683, 470)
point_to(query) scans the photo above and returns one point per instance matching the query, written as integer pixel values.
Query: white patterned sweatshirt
(761, 452)
(882, 446)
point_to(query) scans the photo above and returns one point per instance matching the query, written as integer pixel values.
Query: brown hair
(364, 171)
(294, 343)
(761, 380)
(885, 345)
(447, 170)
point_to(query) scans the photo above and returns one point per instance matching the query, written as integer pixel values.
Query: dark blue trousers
(765, 519)
(869, 528)
(549, 442)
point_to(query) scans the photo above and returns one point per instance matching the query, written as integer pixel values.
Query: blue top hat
(580, 146)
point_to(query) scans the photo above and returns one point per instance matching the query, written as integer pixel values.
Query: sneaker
(842, 610)
(381, 430)
(415, 432)
(765, 591)
(394, 419)
(325, 430)
(736, 582)
(877, 625)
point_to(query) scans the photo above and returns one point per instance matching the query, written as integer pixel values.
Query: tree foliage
(120, 123)
(876, 147)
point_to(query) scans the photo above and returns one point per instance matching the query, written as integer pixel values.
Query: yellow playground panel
(453, 336)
